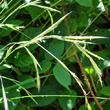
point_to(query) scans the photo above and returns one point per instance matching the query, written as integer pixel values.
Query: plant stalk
(81, 67)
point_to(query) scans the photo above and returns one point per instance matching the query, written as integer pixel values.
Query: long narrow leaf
(4, 95)
(98, 71)
(48, 8)
(50, 17)
(63, 39)
(51, 27)
(84, 37)
(9, 51)
(93, 54)
(35, 64)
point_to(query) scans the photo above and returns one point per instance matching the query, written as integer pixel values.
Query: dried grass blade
(4, 95)
(98, 71)
(35, 64)
(84, 37)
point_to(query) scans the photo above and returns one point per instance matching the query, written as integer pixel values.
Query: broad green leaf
(84, 107)
(107, 80)
(30, 33)
(23, 60)
(104, 52)
(25, 68)
(6, 31)
(34, 11)
(62, 75)
(53, 82)
(63, 2)
(60, 3)
(82, 20)
(45, 65)
(61, 30)
(25, 79)
(56, 47)
(72, 25)
(106, 105)
(103, 63)
(11, 94)
(106, 91)
(87, 3)
(11, 58)
(20, 107)
(1, 108)
(43, 101)
(101, 32)
(67, 103)
(100, 19)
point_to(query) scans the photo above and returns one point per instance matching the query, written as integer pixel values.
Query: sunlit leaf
(67, 103)
(89, 70)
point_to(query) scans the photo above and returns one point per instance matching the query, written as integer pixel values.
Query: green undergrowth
(54, 54)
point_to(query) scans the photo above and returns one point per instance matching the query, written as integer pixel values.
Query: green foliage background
(33, 78)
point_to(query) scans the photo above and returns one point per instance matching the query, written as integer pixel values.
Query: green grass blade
(20, 83)
(35, 64)
(48, 8)
(9, 51)
(93, 54)
(28, 93)
(50, 28)
(98, 71)
(102, 98)
(51, 18)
